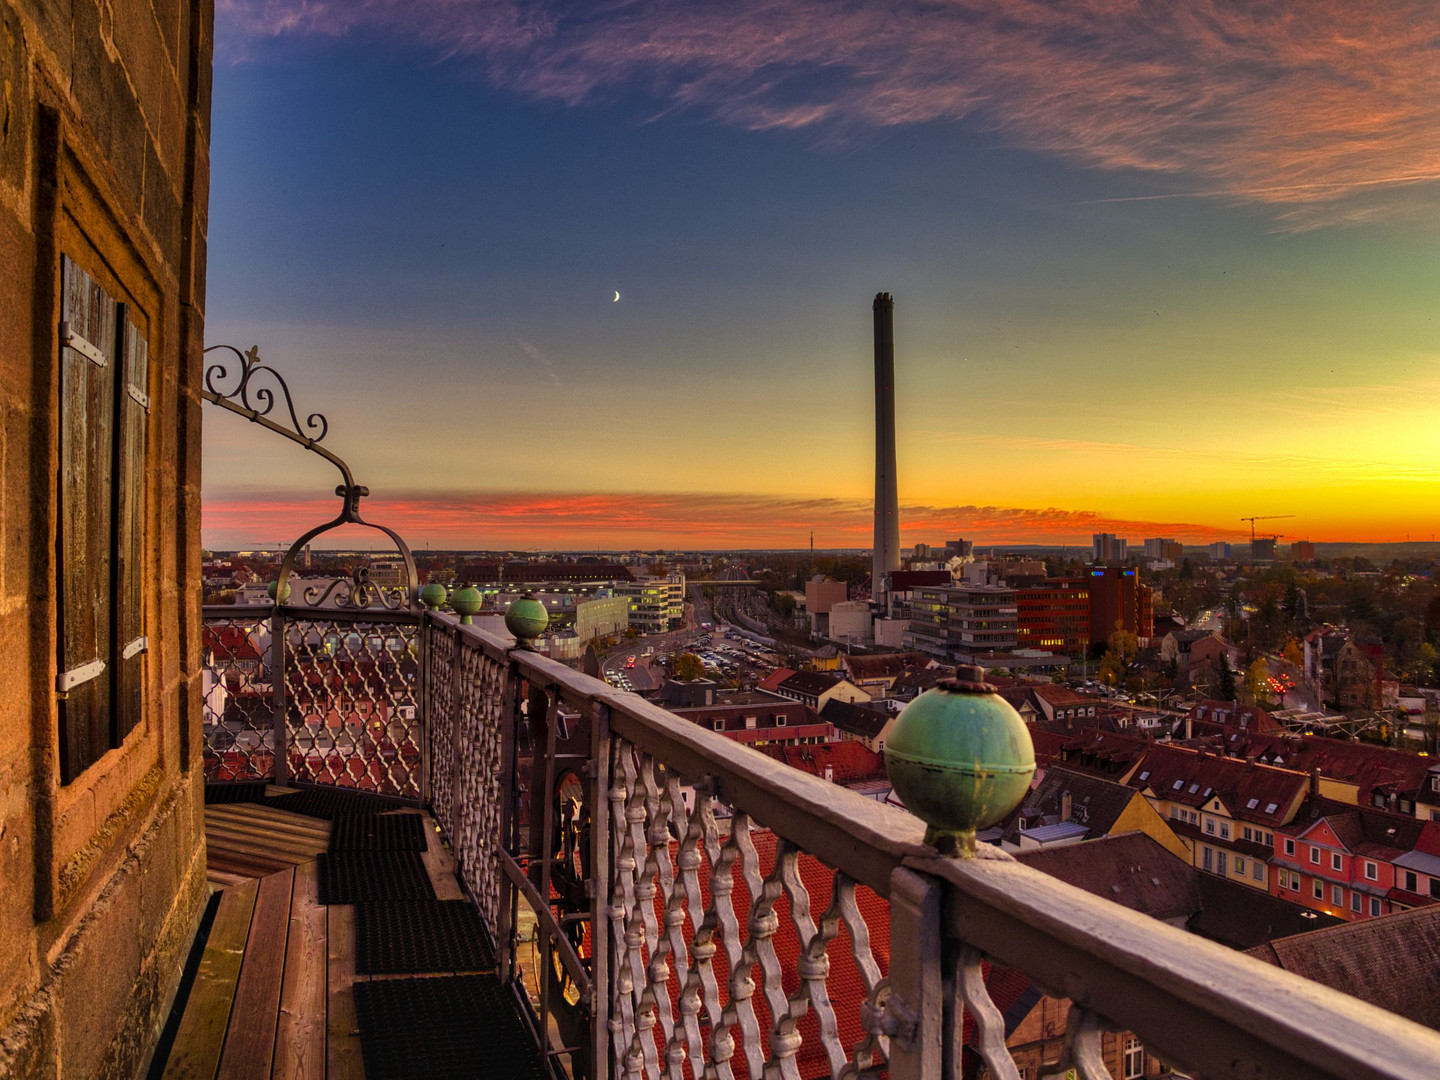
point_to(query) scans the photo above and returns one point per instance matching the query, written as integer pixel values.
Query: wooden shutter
(132, 424)
(87, 416)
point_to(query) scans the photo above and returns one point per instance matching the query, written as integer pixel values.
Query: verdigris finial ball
(960, 759)
(284, 596)
(527, 619)
(433, 595)
(467, 603)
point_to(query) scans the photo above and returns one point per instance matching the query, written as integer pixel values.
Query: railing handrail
(861, 837)
(1240, 1008)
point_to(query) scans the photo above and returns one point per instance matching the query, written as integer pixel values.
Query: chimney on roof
(1065, 805)
(1314, 783)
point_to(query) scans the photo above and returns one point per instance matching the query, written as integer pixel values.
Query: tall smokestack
(887, 511)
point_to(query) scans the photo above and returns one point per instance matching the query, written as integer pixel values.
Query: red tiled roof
(848, 761)
(772, 681)
(1251, 792)
(884, 665)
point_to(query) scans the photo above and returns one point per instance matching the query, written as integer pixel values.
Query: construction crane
(1263, 517)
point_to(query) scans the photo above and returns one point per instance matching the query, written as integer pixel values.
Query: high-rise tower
(887, 510)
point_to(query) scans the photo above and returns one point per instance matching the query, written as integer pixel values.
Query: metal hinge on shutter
(69, 680)
(72, 340)
(138, 395)
(139, 645)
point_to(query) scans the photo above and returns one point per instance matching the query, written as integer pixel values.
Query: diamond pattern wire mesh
(353, 708)
(731, 947)
(239, 731)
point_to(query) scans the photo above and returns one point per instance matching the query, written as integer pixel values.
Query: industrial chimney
(887, 511)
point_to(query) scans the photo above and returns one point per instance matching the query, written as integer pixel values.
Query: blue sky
(421, 213)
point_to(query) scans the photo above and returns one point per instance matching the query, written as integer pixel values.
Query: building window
(1220, 857)
(1207, 858)
(1375, 906)
(1355, 901)
(1224, 830)
(1210, 826)
(718, 725)
(1134, 1063)
(1372, 873)
(1317, 888)
(1239, 866)
(1257, 870)
(1335, 860)
(1315, 855)
(1337, 896)
(1410, 883)
(1289, 846)
(104, 419)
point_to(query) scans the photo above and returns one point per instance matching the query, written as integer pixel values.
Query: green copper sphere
(527, 619)
(433, 595)
(284, 597)
(466, 602)
(960, 759)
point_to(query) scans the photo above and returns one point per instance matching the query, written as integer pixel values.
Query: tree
(1227, 679)
(687, 666)
(1293, 653)
(1121, 649)
(1257, 683)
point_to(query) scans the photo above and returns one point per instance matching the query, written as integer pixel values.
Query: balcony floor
(273, 995)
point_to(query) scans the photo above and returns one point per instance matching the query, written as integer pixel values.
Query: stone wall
(104, 136)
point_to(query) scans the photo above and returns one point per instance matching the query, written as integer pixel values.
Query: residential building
(1340, 859)
(854, 722)
(1119, 601)
(813, 688)
(1387, 962)
(1219, 550)
(1047, 703)
(759, 719)
(877, 673)
(1164, 548)
(958, 622)
(1302, 551)
(1054, 616)
(1067, 807)
(1108, 548)
(1196, 653)
(656, 604)
(1225, 811)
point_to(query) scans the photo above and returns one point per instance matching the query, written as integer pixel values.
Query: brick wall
(104, 117)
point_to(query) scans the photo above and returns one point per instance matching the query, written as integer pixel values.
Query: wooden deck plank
(246, 843)
(280, 822)
(250, 866)
(440, 865)
(342, 1044)
(201, 1034)
(300, 1038)
(250, 1042)
(285, 818)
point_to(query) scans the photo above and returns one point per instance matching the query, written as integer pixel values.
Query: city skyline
(1195, 287)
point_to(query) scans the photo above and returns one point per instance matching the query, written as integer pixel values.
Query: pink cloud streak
(1304, 107)
(612, 520)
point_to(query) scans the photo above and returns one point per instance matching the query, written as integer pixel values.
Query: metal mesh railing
(348, 708)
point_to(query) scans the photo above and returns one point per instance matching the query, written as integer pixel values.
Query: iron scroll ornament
(253, 398)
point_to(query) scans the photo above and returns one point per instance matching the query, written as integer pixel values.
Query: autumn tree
(1257, 683)
(1119, 651)
(687, 666)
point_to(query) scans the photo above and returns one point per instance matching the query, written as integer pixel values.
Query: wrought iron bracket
(256, 389)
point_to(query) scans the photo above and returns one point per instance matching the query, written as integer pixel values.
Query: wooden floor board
(300, 1039)
(250, 1041)
(201, 1034)
(440, 865)
(342, 1044)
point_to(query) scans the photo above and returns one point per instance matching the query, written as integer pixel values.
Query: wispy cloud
(545, 363)
(624, 520)
(1324, 110)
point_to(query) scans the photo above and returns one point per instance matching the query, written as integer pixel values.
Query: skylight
(1270, 808)
(1252, 804)
(1179, 784)
(1194, 788)
(1145, 775)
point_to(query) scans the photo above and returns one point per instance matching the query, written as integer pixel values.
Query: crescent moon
(617, 297)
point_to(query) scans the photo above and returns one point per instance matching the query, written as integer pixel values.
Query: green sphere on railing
(960, 759)
(284, 597)
(467, 603)
(527, 619)
(433, 595)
